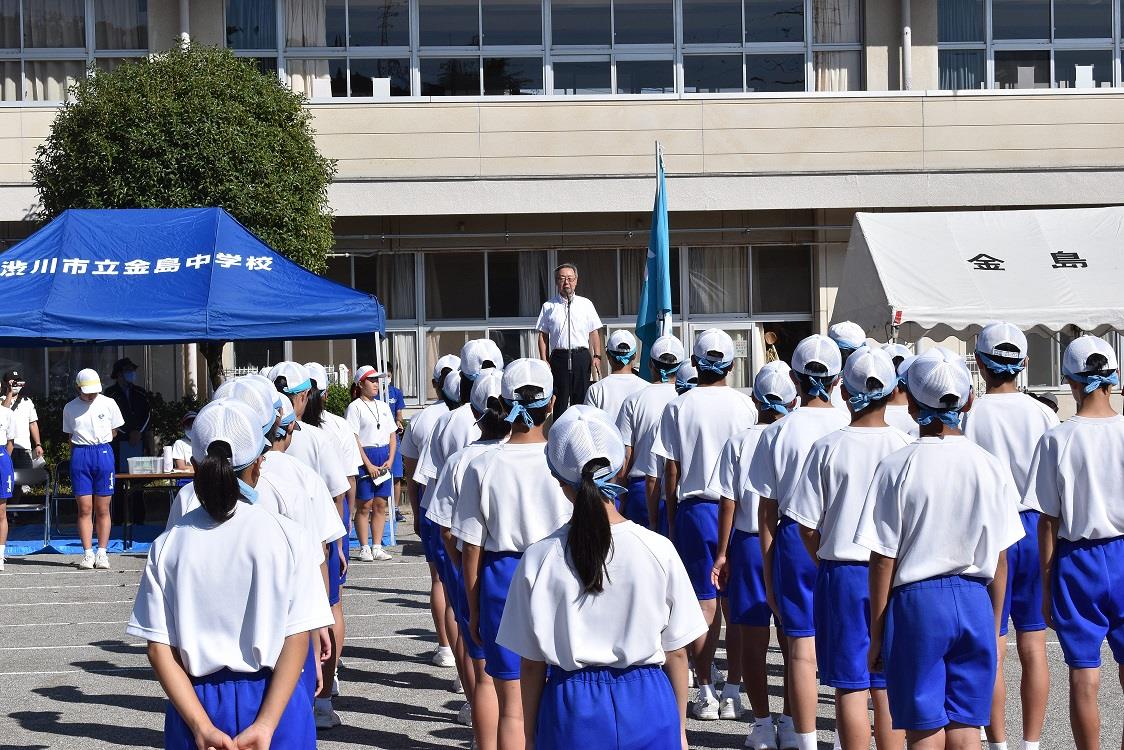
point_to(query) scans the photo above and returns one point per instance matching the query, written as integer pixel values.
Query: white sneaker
(763, 736)
(786, 736)
(87, 562)
(464, 716)
(101, 560)
(1, 564)
(379, 554)
(443, 657)
(335, 685)
(365, 555)
(706, 707)
(326, 718)
(691, 681)
(455, 686)
(731, 708)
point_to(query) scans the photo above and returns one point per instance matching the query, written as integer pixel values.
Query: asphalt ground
(71, 678)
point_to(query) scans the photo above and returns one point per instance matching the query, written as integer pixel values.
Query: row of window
(79, 25)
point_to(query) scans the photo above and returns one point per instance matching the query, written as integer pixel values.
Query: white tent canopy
(941, 273)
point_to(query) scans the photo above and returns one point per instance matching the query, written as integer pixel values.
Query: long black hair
(314, 408)
(439, 386)
(493, 426)
(216, 484)
(590, 539)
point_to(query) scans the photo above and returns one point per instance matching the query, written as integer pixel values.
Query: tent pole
(191, 370)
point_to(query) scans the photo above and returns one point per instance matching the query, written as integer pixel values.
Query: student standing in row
(827, 503)
(25, 423)
(938, 519)
(609, 393)
(372, 419)
(849, 337)
(1075, 485)
(897, 408)
(615, 682)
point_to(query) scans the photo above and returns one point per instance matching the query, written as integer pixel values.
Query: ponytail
(314, 408)
(493, 426)
(590, 538)
(216, 484)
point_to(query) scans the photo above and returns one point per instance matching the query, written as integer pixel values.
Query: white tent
(941, 273)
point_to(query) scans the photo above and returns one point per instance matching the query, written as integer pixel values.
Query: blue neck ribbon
(999, 368)
(684, 386)
(719, 368)
(519, 410)
(815, 387)
(863, 400)
(249, 494)
(666, 373)
(846, 346)
(950, 417)
(778, 406)
(622, 357)
(1094, 381)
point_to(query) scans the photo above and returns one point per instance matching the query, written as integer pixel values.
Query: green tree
(194, 126)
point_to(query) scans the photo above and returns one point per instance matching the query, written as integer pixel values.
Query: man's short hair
(571, 266)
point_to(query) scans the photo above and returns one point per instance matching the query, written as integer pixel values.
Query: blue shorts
(495, 580)
(7, 475)
(842, 616)
(794, 581)
(396, 465)
(365, 489)
(696, 538)
(232, 700)
(346, 541)
(746, 583)
(91, 470)
(939, 652)
(428, 531)
(1088, 600)
(334, 576)
(636, 505)
(602, 707)
(458, 600)
(1022, 604)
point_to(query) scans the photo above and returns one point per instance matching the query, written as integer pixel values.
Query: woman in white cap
(738, 567)
(790, 574)
(91, 421)
(508, 501)
(230, 663)
(370, 416)
(610, 392)
(827, 503)
(1075, 485)
(614, 682)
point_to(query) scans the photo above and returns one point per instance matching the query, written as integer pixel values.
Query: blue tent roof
(166, 276)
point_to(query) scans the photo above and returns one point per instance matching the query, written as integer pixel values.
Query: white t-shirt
(780, 453)
(549, 618)
(305, 497)
(639, 423)
(262, 566)
(420, 430)
(91, 423)
(509, 500)
(1009, 426)
(839, 402)
(319, 451)
(941, 506)
(344, 435)
(372, 420)
(609, 393)
(831, 490)
(441, 495)
(454, 433)
(582, 317)
(1075, 477)
(730, 477)
(7, 426)
(24, 415)
(897, 415)
(693, 430)
(181, 450)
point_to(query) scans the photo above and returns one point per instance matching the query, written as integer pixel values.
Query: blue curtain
(960, 69)
(251, 24)
(960, 20)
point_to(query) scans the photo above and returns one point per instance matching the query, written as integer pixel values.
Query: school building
(481, 142)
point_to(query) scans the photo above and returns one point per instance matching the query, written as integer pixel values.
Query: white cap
(318, 375)
(88, 381)
(265, 386)
(450, 361)
(475, 353)
(714, 345)
(1075, 361)
(232, 422)
(451, 387)
(264, 371)
(247, 393)
(667, 350)
(847, 335)
(995, 334)
(486, 386)
(773, 384)
(288, 416)
(817, 348)
(685, 374)
(582, 434)
(621, 342)
(903, 368)
(295, 374)
(939, 379)
(524, 372)
(897, 350)
(870, 372)
(364, 372)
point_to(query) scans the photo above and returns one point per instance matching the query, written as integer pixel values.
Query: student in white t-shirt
(849, 337)
(230, 663)
(897, 408)
(181, 449)
(938, 519)
(610, 392)
(372, 418)
(827, 502)
(790, 575)
(91, 421)
(508, 501)
(1008, 425)
(615, 682)
(7, 473)
(1075, 485)
(693, 430)
(738, 567)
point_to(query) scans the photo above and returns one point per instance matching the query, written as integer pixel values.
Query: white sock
(838, 745)
(806, 740)
(444, 650)
(708, 691)
(324, 704)
(1028, 745)
(3, 549)
(997, 746)
(88, 551)
(731, 690)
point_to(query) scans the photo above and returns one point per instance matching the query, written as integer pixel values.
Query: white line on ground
(68, 604)
(61, 624)
(140, 644)
(76, 586)
(79, 671)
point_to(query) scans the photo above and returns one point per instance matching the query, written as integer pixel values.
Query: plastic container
(166, 459)
(146, 465)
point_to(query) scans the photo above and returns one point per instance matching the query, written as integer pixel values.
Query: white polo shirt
(7, 426)
(780, 454)
(549, 618)
(91, 423)
(897, 415)
(270, 589)
(940, 506)
(1075, 477)
(730, 477)
(1009, 426)
(441, 495)
(457, 431)
(639, 423)
(582, 318)
(344, 435)
(372, 420)
(420, 430)
(609, 393)
(25, 414)
(302, 490)
(318, 450)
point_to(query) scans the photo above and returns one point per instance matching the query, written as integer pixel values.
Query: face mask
(131, 376)
(17, 388)
(248, 493)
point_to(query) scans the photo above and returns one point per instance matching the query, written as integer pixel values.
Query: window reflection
(449, 23)
(365, 74)
(512, 22)
(710, 74)
(774, 21)
(580, 22)
(642, 22)
(512, 76)
(582, 78)
(645, 77)
(711, 21)
(452, 76)
(379, 23)
(774, 72)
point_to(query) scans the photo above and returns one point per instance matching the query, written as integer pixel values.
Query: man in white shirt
(569, 339)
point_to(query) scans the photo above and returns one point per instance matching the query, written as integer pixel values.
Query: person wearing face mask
(134, 437)
(25, 421)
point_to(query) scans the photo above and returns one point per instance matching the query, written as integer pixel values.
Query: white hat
(364, 372)
(448, 361)
(897, 350)
(288, 416)
(239, 390)
(232, 422)
(667, 350)
(527, 372)
(847, 335)
(817, 348)
(1001, 347)
(1075, 361)
(685, 374)
(903, 368)
(475, 353)
(451, 387)
(939, 379)
(869, 375)
(265, 386)
(486, 386)
(621, 343)
(264, 371)
(318, 375)
(295, 374)
(773, 386)
(582, 434)
(714, 345)
(88, 381)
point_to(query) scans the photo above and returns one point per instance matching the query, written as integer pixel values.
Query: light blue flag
(654, 316)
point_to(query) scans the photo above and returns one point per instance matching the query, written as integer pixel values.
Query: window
(390, 277)
(719, 280)
(1020, 19)
(712, 21)
(645, 77)
(1082, 68)
(380, 77)
(633, 264)
(1022, 69)
(583, 77)
(449, 23)
(782, 280)
(774, 21)
(581, 23)
(774, 72)
(512, 76)
(451, 76)
(379, 23)
(518, 283)
(643, 22)
(251, 24)
(598, 277)
(711, 74)
(512, 22)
